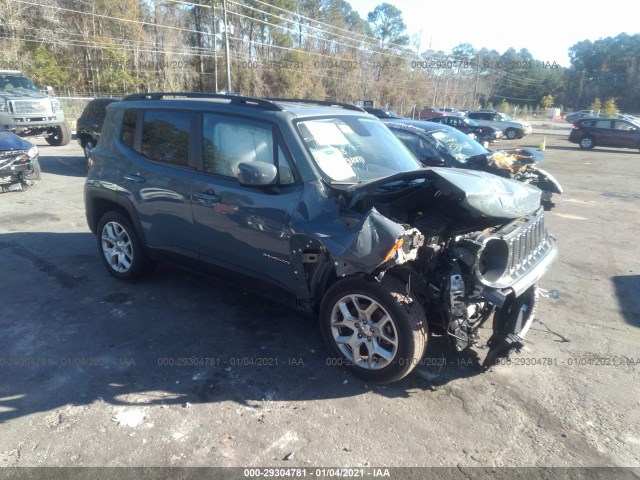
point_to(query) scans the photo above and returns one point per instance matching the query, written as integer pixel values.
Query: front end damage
(469, 246)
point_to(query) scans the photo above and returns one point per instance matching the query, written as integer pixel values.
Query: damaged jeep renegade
(319, 205)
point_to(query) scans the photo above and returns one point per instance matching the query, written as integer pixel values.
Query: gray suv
(320, 206)
(28, 112)
(511, 128)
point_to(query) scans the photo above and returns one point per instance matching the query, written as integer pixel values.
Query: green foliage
(504, 107)
(388, 25)
(46, 70)
(610, 109)
(546, 102)
(596, 105)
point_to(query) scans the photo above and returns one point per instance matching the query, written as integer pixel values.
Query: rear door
(625, 134)
(157, 176)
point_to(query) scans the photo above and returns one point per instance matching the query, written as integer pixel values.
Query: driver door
(244, 229)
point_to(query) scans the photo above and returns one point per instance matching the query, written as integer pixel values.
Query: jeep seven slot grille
(526, 244)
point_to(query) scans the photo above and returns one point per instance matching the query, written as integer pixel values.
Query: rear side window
(128, 133)
(165, 136)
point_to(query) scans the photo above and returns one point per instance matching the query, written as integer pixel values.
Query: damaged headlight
(492, 260)
(32, 152)
(487, 256)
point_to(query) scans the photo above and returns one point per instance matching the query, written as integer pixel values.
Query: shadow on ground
(627, 288)
(72, 334)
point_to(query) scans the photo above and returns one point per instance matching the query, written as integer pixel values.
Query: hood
(11, 141)
(22, 93)
(478, 192)
(490, 195)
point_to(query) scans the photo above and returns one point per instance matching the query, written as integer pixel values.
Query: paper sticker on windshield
(326, 133)
(333, 163)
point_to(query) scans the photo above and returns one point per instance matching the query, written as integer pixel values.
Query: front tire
(88, 145)
(512, 133)
(119, 247)
(373, 328)
(60, 136)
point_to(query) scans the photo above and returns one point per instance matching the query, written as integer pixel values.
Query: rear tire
(60, 136)
(120, 249)
(586, 143)
(373, 328)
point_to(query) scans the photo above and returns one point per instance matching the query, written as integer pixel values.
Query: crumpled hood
(481, 193)
(491, 195)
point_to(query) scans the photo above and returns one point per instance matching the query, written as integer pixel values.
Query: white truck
(28, 112)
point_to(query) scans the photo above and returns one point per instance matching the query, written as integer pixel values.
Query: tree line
(319, 49)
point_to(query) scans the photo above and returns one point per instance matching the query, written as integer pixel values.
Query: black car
(89, 125)
(484, 135)
(318, 205)
(436, 145)
(19, 164)
(381, 112)
(605, 132)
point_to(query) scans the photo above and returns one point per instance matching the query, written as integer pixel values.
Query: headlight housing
(4, 107)
(55, 106)
(32, 152)
(492, 260)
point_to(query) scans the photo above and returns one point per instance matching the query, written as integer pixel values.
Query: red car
(605, 132)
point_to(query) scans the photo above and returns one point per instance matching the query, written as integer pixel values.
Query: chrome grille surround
(531, 250)
(31, 107)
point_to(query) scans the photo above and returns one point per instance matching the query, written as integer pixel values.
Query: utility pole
(226, 44)
(475, 88)
(215, 48)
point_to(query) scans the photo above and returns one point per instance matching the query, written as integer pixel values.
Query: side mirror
(257, 174)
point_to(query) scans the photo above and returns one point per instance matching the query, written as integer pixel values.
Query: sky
(544, 27)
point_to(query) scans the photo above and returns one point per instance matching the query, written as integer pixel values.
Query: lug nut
(357, 325)
(369, 338)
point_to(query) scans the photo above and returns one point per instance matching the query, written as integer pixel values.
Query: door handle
(206, 198)
(134, 177)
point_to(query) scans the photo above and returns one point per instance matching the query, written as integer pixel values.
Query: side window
(165, 136)
(619, 125)
(229, 141)
(418, 146)
(127, 135)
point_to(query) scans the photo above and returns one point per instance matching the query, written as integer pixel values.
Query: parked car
(484, 135)
(605, 132)
(381, 112)
(319, 205)
(30, 112)
(430, 112)
(89, 124)
(19, 164)
(512, 129)
(572, 117)
(440, 145)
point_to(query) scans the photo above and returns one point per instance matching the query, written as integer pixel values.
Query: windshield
(471, 123)
(506, 117)
(457, 144)
(15, 82)
(355, 149)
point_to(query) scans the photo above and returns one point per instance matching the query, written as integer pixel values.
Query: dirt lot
(179, 370)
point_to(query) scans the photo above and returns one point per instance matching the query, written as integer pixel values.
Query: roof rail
(324, 103)
(233, 99)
